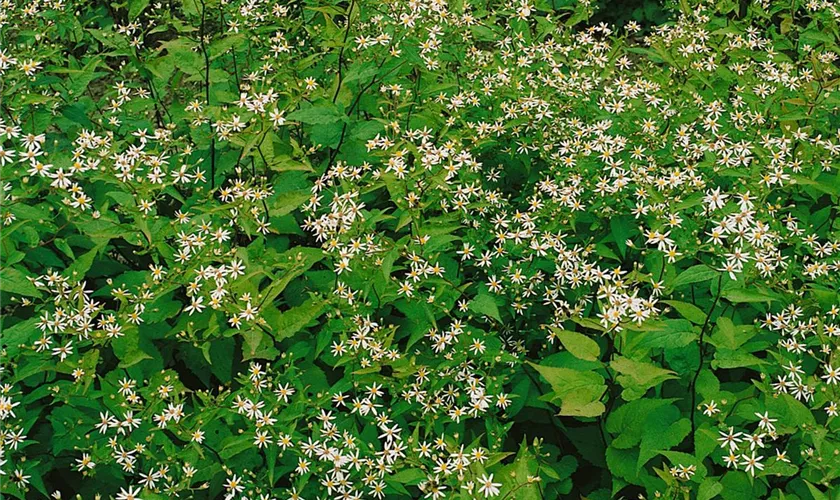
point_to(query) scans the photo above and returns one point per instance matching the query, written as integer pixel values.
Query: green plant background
(464, 248)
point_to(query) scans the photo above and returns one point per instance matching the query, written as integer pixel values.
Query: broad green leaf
(663, 430)
(621, 462)
(688, 311)
(791, 413)
(320, 113)
(284, 203)
(816, 492)
(127, 348)
(637, 376)
(627, 422)
(135, 7)
(579, 345)
(289, 322)
(20, 334)
(729, 336)
(485, 304)
(669, 334)
(297, 261)
(83, 264)
(15, 282)
(740, 295)
(694, 274)
(235, 445)
(622, 228)
(709, 489)
(514, 476)
(729, 358)
(579, 392)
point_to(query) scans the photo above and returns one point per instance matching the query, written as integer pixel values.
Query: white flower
(131, 494)
(195, 306)
(751, 463)
(487, 486)
(832, 375)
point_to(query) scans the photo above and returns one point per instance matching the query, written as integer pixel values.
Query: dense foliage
(419, 249)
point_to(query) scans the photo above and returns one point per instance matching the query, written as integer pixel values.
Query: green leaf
(286, 202)
(817, 36)
(729, 358)
(83, 264)
(328, 134)
(299, 260)
(669, 334)
(581, 346)
(485, 304)
(583, 403)
(285, 163)
(578, 391)
(622, 228)
(322, 113)
(514, 476)
(14, 281)
(791, 413)
(258, 344)
(628, 421)
(738, 485)
(663, 429)
(816, 492)
(222, 45)
(709, 488)
(729, 336)
(235, 445)
(19, 334)
(637, 376)
(779, 468)
(127, 349)
(688, 311)
(135, 7)
(295, 319)
(741, 295)
(694, 274)
(622, 463)
(408, 476)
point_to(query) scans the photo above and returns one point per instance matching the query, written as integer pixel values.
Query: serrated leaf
(662, 431)
(15, 282)
(744, 295)
(295, 319)
(732, 358)
(816, 492)
(688, 311)
(135, 7)
(127, 349)
(322, 113)
(709, 489)
(581, 346)
(627, 422)
(694, 274)
(637, 376)
(286, 202)
(483, 303)
(790, 412)
(578, 391)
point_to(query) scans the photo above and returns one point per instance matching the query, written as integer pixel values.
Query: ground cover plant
(440, 249)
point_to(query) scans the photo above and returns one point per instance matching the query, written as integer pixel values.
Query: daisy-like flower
(129, 494)
(487, 487)
(751, 463)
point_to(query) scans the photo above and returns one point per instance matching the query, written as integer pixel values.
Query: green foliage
(419, 249)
